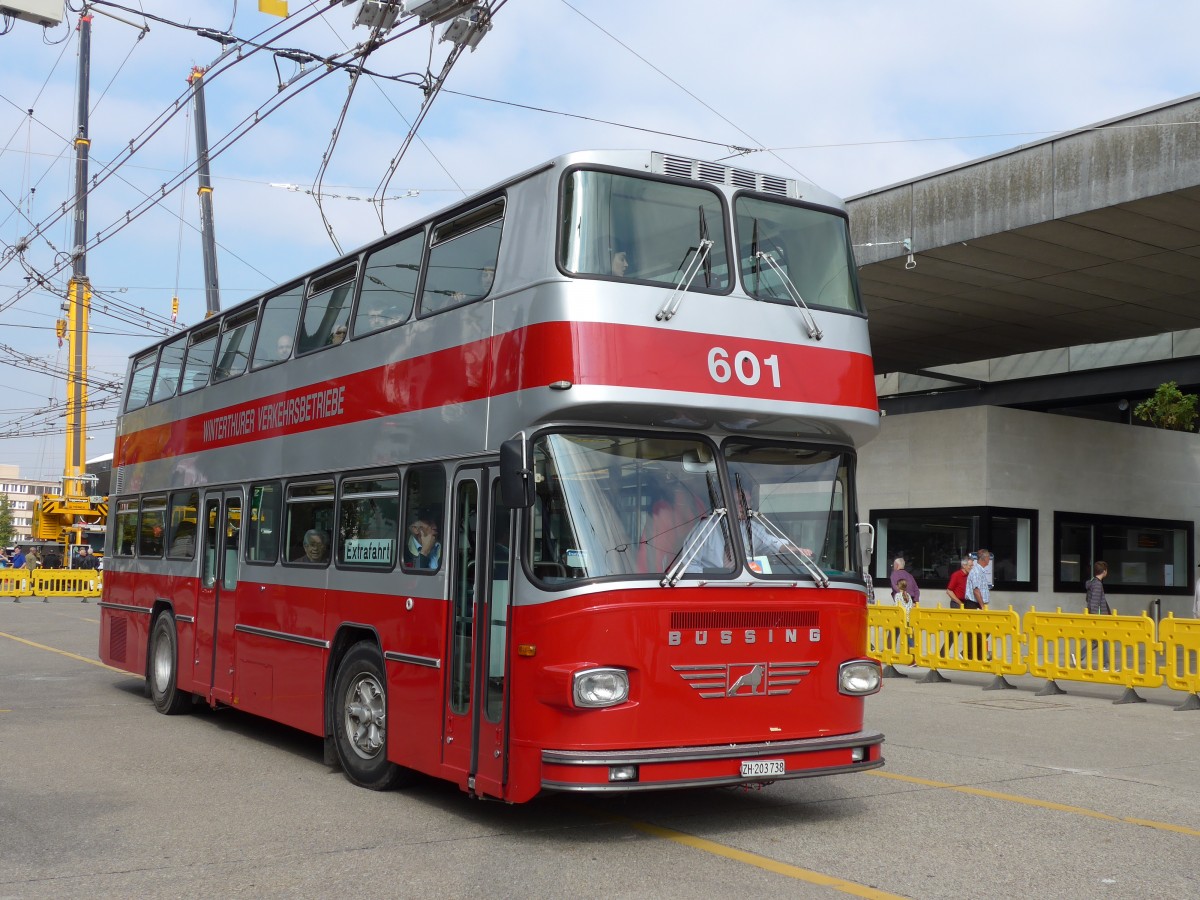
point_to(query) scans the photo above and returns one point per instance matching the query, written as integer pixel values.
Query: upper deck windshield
(640, 229)
(611, 505)
(811, 246)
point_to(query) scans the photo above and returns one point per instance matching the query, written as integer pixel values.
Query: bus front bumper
(604, 771)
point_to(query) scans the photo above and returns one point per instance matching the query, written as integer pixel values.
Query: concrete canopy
(1088, 237)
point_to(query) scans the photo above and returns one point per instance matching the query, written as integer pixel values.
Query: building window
(933, 541)
(1143, 555)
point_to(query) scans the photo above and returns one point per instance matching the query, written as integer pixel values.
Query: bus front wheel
(360, 720)
(164, 668)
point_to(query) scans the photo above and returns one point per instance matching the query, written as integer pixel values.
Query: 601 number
(745, 365)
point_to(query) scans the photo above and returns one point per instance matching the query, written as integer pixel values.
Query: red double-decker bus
(552, 491)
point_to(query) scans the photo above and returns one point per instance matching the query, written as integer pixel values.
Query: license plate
(760, 768)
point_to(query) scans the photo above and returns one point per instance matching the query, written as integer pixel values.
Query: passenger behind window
(423, 550)
(337, 335)
(620, 263)
(314, 548)
(487, 277)
(184, 544)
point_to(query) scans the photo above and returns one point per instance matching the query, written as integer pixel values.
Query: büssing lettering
(746, 636)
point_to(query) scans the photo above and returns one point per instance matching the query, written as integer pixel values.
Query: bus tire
(360, 720)
(163, 671)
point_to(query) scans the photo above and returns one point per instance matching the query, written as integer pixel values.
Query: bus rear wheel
(164, 668)
(360, 720)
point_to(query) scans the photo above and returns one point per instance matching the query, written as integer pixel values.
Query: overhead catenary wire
(260, 114)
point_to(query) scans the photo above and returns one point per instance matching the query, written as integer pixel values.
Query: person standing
(987, 562)
(977, 597)
(17, 561)
(899, 573)
(1097, 603)
(32, 562)
(86, 560)
(956, 590)
(1196, 602)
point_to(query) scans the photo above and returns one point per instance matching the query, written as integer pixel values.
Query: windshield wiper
(810, 322)
(699, 259)
(691, 547)
(787, 547)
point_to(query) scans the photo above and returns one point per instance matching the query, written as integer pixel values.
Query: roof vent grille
(695, 170)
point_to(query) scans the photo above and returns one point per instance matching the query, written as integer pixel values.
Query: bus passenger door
(217, 605)
(475, 739)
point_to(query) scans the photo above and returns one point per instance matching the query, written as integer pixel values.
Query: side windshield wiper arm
(810, 323)
(691, 548)
(701, 259)
(788, 548)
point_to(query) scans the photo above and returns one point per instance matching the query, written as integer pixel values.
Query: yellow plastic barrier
(1120, 650)
(1181, 652)
(970, 640)
(887, 635)
(14, 583)
(66, 583)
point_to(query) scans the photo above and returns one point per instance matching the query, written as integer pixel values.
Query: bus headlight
(594, 688)
(859, 677)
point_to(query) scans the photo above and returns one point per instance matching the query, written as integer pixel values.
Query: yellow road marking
(762, 862)
(1030, 801)
(90, 662)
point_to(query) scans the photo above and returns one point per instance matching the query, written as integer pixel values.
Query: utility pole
(212, 296)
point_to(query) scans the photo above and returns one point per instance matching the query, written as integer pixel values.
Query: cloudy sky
(851, 96)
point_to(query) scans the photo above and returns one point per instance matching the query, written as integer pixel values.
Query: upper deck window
(140, 380)
(811, 246)
(621, 226)
(389, 285)
(200, 355)
(462, 258)
(327, 313)
(278, 330)
(237, 334)
(166, 381)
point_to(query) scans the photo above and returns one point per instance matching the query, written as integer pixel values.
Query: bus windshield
(810, 246)
(618, 226)
(611, 505)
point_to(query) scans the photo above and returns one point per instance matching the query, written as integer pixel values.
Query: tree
(1169, 408)
(6, 521)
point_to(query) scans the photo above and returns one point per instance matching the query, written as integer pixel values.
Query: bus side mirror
(516, 480)
(866, 547)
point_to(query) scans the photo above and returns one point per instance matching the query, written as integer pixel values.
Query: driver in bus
(715, 554)
(315, 548)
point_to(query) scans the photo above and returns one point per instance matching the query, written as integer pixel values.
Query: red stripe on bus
(596, 354)
(604, 354)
